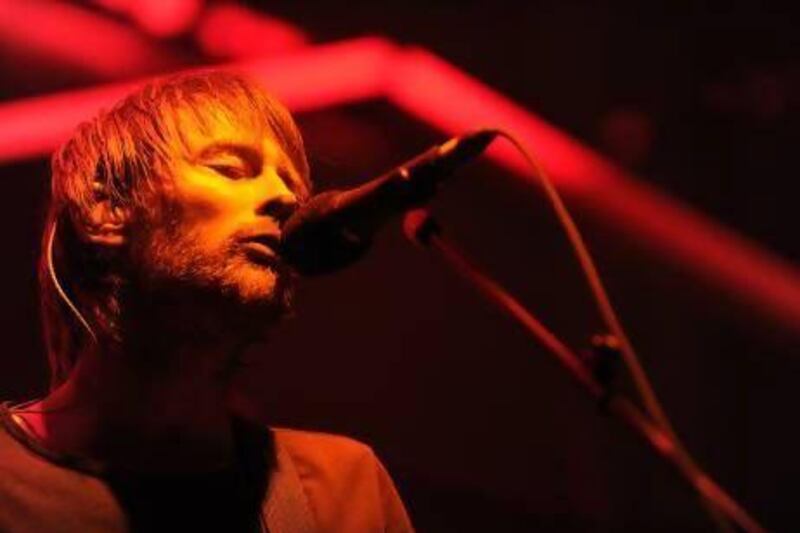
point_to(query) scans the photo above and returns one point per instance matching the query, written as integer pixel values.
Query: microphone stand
(593, 375)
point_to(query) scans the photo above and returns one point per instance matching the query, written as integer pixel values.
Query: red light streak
(439, 94)
(162, 18)
(35, 126)
(77, 37)
(234, 32)
(327, 75)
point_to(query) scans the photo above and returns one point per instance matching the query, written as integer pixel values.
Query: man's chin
(265, 295)
(259, 285)
(241, 295)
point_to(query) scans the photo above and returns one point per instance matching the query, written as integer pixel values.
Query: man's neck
(147, 406)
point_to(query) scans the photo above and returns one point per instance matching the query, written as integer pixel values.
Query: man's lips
(262, 248)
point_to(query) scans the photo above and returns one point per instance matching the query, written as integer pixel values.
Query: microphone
(335, 228)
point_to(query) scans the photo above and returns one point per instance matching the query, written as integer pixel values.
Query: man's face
(220, 228)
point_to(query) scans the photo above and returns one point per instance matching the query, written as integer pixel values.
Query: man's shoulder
(347, 487)
(323, 448)
(302, 437)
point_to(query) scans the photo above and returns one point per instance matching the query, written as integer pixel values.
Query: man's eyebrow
(251, 153)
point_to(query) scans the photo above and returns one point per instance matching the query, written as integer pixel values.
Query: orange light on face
(231, 187)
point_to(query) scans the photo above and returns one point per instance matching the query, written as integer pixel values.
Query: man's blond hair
(123, 156)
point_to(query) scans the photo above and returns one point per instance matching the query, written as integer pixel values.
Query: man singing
(160, 265)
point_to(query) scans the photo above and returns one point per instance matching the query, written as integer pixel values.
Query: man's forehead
(221, 128)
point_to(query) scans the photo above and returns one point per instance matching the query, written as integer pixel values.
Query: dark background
(480, 428)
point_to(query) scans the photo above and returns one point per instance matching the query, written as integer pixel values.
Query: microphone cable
(715, 501)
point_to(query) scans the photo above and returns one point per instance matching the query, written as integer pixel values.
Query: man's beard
(221, 282)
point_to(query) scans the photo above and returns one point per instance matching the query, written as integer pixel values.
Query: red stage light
(234, 32)
(166, 17)
(438, 93)
(163, 18)
(323, 76)
(77, 37)
(35, 126)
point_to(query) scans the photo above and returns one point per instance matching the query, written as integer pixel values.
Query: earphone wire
(51, 270)
(61, 292)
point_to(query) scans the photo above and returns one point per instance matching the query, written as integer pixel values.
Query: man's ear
(106, 224)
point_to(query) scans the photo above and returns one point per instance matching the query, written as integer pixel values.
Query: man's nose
(280, 206)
